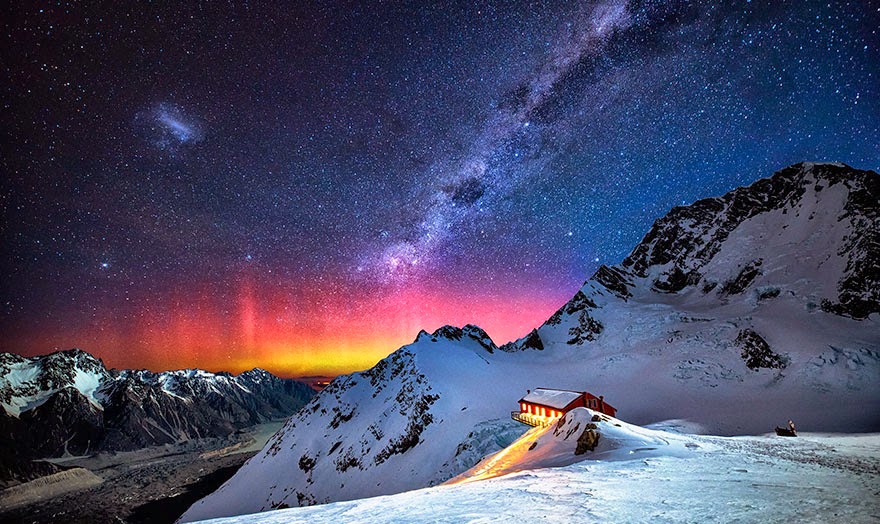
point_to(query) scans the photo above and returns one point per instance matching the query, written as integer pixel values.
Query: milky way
(465, 190)
(305, 188)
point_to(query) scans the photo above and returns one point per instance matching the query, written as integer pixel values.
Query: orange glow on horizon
(322, 330)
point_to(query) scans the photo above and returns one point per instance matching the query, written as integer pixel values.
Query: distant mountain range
(69, 403)
(735, 313)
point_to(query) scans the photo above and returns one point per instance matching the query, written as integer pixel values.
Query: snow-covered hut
(541, 406)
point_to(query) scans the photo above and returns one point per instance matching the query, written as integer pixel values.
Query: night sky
(303, 188)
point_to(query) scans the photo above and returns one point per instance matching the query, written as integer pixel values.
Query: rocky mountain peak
(74, 357)
(681, 244)
(448, 332)
(469, 331)
(255, 375)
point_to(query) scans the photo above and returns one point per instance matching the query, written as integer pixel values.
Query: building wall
(586, 400)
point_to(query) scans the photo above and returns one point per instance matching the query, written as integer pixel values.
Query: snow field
(815, 478)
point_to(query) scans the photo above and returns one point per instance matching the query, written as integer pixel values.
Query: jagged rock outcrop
(756, 352)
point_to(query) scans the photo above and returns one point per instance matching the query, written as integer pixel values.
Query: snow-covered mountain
(69, 403)
(736, 313)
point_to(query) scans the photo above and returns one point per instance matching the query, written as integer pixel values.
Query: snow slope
(813, 478)
(736, 313)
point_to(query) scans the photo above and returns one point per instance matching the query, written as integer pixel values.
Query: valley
(151, 485)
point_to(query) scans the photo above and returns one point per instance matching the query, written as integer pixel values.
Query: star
(385, 169)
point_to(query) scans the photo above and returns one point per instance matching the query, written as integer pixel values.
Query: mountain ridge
(858, 290)
(78, 407)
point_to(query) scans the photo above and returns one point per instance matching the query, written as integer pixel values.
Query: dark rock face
(588, 440)
(127, 410)
(456, 333)
(672, 281)
(587, 329)
(307, 463)
(16, 466)
(66, 422)
(477, 333)
(580, 302)
(533, 341)
(859, 289)
(742, 281)
(756, 352)
(138, 415)
(615, 279)
(448, 332)
(419, 418)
